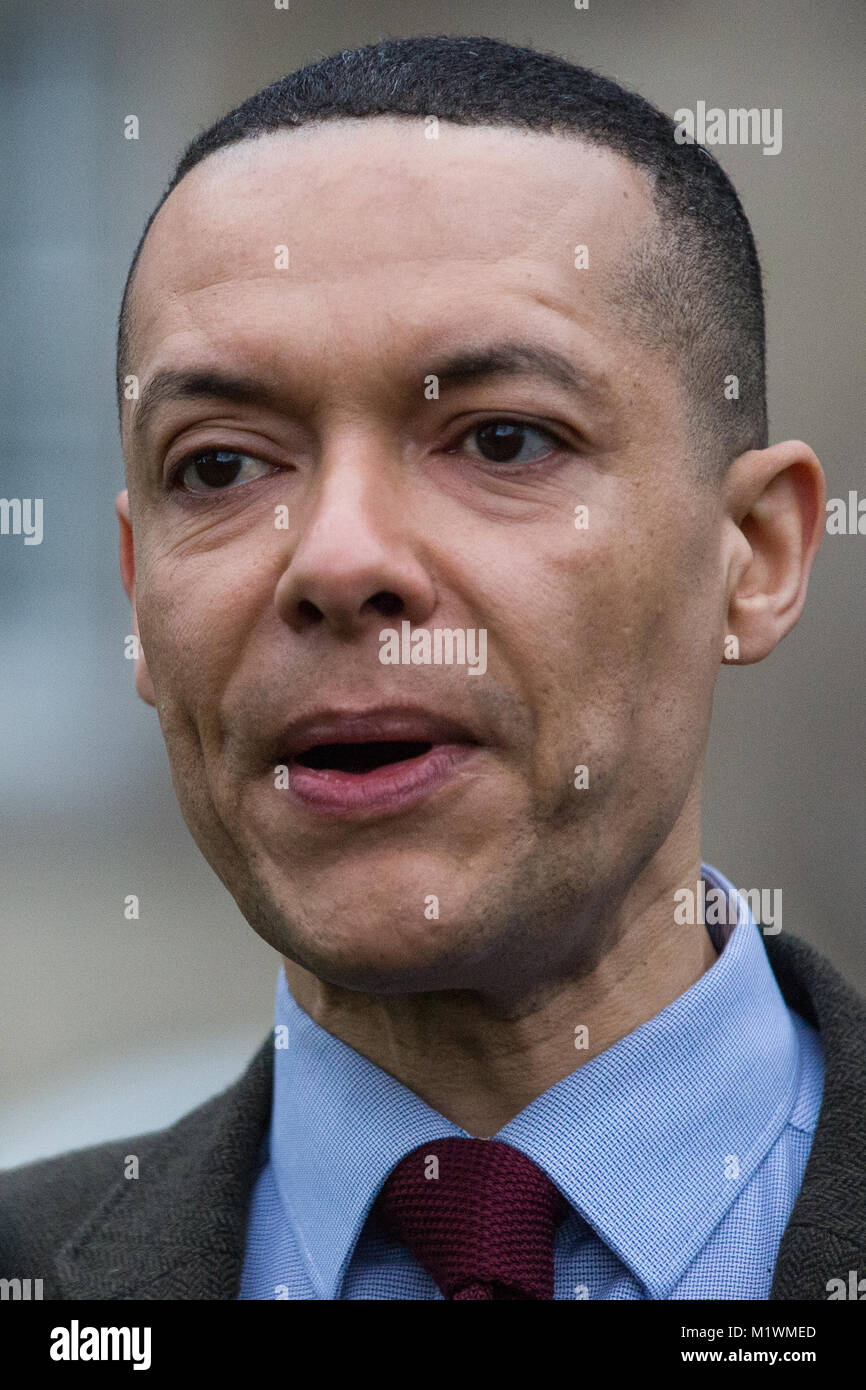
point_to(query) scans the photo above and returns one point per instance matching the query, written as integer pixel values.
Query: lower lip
(393, 787)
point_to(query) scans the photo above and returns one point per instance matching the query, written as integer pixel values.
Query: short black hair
(692, 288)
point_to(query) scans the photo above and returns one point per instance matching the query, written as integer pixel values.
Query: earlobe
(143, 683)
(775, 501)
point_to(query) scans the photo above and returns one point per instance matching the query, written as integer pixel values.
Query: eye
(506, 441)
(218, 470)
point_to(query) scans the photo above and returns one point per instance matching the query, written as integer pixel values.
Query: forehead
(388, 234)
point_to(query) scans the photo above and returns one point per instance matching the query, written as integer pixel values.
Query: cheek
(574, 615)
(596, 632)
(196, 615)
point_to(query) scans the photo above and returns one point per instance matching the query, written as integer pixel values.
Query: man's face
(479, 862)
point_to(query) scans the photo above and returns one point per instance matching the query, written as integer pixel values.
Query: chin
(381, 946)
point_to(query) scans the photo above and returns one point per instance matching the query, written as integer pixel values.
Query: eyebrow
(515, 359)
(470, 365)
(196, 384)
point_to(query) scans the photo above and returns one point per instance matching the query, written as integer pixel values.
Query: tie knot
(479, 1215)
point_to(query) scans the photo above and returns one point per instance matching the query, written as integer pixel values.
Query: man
(441, 384)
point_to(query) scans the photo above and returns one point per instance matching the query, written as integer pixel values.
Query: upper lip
(381, 725)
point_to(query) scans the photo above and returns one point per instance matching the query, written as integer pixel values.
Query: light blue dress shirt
(681, 1149)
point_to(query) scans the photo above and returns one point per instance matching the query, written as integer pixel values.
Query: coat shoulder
(43, 1203)
(826, 1234)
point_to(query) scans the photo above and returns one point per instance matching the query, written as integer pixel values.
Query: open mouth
(360, 758)
(372, 763)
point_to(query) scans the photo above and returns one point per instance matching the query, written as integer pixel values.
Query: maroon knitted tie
(484, 1227)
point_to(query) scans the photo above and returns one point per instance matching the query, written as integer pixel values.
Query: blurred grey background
(113, 1026)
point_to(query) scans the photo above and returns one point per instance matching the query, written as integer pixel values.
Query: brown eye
(504, 441)
(218, 470)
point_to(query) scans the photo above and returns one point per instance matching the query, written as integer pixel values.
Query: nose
(359, 557)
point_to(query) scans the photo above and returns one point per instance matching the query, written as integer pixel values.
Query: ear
(143, 683)
(775, 500)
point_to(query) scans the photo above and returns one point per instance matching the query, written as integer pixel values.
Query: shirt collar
(339, 1124)
(651, 1141)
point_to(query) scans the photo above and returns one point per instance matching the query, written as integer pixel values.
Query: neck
(479, 1061)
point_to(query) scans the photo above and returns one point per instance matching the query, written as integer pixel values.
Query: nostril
(309, 612)
(387, 604)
